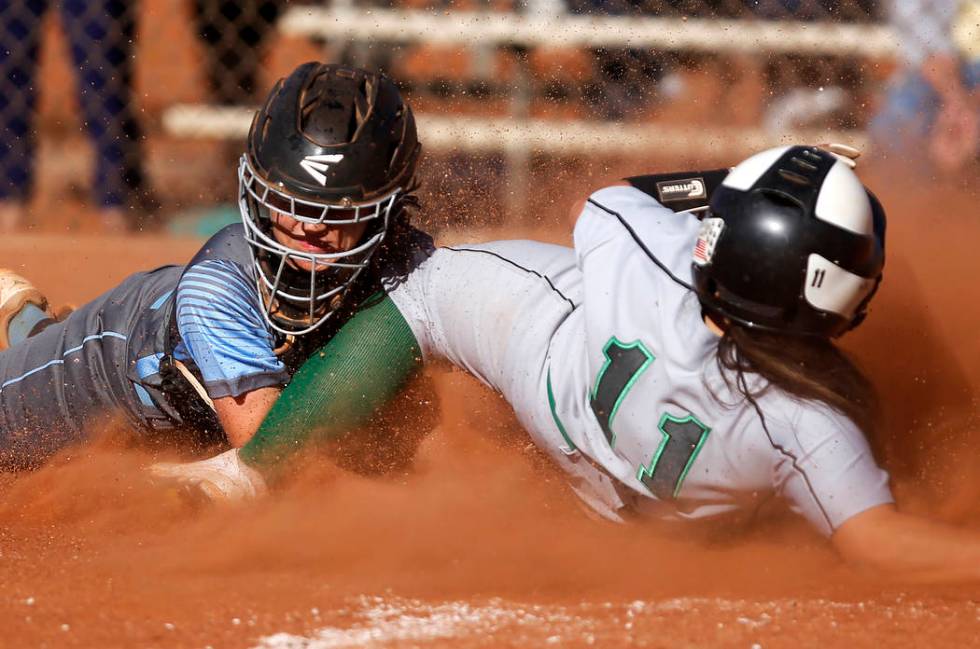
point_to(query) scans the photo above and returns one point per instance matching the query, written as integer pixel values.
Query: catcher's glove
(223, 478)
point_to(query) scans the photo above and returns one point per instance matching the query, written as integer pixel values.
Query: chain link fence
(88, 84)
(98, 38)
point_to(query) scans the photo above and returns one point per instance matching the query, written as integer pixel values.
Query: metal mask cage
(257, 201)
(268, 197)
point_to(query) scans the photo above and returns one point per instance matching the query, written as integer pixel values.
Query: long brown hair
(396, 254)
(808, 368)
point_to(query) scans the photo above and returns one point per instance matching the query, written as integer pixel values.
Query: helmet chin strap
(712, 325)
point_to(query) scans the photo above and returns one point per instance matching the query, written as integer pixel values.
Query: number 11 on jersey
(681, 437)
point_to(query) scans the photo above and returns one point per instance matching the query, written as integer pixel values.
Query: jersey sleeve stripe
(188, 321)
(190, 317)
(199, 305)
(518, 266)
(224, 300)
(217, 290)
(223, 332)
(224, 271)
(794, 462)
(228, 283)
(639, 242)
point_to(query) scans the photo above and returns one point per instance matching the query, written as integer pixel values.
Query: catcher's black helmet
(332, 145)
(792, 243)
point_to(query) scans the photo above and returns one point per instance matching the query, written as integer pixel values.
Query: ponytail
(808, 368)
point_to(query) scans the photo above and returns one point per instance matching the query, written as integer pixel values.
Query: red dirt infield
(480, 545)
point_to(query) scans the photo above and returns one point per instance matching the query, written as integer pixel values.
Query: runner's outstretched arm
(909, 547)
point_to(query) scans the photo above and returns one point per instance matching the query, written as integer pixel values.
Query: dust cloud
(89, 544)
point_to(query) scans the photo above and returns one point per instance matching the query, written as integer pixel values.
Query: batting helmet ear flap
(879, 224)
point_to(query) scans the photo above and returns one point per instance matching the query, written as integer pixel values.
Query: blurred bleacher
(517, 87)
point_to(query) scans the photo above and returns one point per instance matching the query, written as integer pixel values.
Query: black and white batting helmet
(792, 243)
(332, 145)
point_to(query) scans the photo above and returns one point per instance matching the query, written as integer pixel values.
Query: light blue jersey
(104, 360)
(222, 331)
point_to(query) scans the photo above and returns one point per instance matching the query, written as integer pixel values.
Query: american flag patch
(704, 247)
(701, 250)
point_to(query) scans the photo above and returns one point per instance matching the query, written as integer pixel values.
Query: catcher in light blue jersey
(325, 190)
(677, 368)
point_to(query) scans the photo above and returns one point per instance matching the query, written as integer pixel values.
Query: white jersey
(610, 367)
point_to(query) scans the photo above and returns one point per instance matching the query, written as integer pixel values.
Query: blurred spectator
(626, 79)
(100, 38)
(932, 105)
(815, 10)
(232, 33)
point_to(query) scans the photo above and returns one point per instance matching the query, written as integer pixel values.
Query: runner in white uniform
(605, 325)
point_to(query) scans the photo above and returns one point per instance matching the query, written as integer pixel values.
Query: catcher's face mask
(332, 146)
(301, 289)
